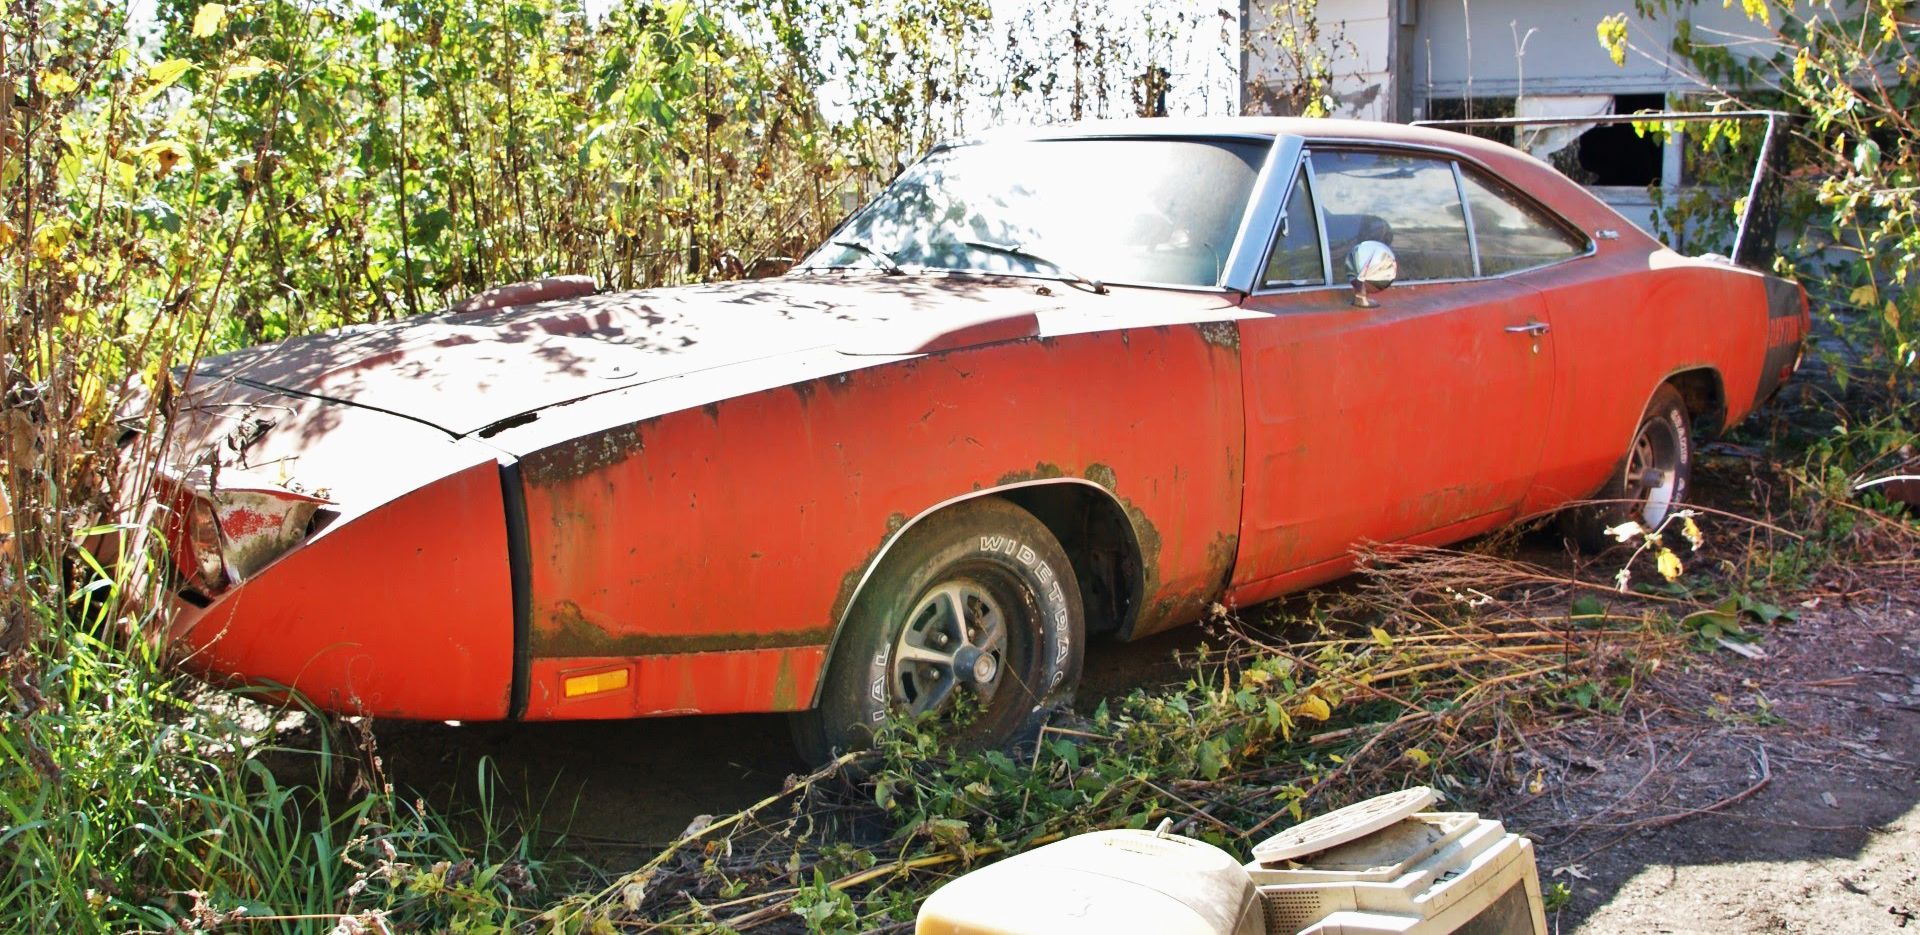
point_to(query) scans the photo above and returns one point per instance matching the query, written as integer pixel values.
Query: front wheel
(973, 620)
(1652, 480)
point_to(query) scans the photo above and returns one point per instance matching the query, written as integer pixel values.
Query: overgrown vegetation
(233, 172)
(1848, 75)
(265, 168)
(1435, 669)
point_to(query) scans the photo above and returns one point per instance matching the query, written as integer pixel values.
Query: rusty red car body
(665, 502)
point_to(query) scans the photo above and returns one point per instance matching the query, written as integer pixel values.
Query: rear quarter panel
(711, 551)
(1625, 321)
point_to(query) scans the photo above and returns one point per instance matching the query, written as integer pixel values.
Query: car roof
(1516, 168)
(1310, 128)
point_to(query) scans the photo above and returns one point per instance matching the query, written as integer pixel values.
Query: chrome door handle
(1533, 327)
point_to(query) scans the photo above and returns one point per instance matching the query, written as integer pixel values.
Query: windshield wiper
(886, 262)
(1025, 254)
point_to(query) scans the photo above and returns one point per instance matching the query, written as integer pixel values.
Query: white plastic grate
(1339, 826)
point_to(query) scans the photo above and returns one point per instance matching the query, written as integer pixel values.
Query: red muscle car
(1050, 384)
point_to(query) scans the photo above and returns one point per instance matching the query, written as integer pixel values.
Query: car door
(1421, 417)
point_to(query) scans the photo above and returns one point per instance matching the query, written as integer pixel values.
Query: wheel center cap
(974, 666)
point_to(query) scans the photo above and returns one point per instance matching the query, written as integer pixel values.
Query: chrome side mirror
(1371, 267)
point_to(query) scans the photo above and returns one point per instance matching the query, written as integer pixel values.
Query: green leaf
(1210, 760)
(1612, 32)
(58, 82)
(1763, 611)
(1587, 606)
(1866, 157)
(162, 76)
(428, 227)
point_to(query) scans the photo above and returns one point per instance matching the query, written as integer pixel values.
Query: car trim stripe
(513, 497)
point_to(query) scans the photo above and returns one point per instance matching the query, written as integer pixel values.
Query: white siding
(1357, 37)
(1562, 56)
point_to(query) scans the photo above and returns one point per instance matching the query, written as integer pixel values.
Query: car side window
(1295, 260)
(1410, 203)
(1512, 232)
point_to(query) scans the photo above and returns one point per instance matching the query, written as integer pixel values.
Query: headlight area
(225, 525)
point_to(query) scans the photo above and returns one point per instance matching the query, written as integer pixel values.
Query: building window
(1613, 154)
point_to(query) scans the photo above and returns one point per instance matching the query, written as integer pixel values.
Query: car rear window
(1512, 232)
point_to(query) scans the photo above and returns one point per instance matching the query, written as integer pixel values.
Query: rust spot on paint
(1041, 471)
(1144, 532)
(1220, 334)
(1172, 610)
(1102, 475)
(785, 696)
(568, 632)
(1220, 554)
(580, 457)
(712, 410)
(850, 582)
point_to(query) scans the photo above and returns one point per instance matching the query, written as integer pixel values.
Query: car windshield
(1117, 210)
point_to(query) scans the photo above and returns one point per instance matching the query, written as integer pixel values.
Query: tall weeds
(236, 172)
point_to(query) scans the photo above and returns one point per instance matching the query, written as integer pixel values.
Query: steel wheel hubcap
(1653, 471)
(955, 638)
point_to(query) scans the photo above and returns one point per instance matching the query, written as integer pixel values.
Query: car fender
(893, 538)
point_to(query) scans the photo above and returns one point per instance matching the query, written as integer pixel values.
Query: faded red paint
(242, 523)
(671, 543)
(686, 683)
(710, 472)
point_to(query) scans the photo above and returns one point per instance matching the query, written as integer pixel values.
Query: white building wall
(1356, 38)
(1389, 58)
(1453, 48)
(1551, 48)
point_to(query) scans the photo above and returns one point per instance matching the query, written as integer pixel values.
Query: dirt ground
(1732, 795)
(1767, 795)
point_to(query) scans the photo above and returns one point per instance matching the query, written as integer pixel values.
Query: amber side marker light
(593, 683)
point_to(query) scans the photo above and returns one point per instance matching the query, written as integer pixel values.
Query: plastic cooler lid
(1342, 825)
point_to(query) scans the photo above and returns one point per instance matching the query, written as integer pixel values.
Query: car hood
(463, 372)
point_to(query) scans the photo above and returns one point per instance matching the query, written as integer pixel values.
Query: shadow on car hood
(464, 372)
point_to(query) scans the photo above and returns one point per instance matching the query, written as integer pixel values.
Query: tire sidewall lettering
(878, 695)
(1684, 442)
(1055, 638)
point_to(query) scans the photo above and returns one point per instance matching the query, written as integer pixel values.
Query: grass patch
(135, 799)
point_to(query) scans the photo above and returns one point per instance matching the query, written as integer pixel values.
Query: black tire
(1651, 480)
(999, 564)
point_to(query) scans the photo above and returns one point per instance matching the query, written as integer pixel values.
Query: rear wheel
(1652, 481)
(973, 619)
